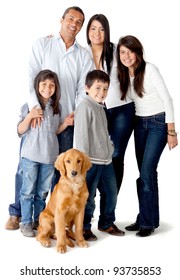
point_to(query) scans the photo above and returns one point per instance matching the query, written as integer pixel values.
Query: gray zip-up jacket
(90, 132)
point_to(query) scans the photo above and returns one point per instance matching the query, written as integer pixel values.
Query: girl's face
(96, 33)
(98, 91)
(127, 57)
(47, 89)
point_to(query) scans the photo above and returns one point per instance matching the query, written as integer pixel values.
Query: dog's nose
(74, 173)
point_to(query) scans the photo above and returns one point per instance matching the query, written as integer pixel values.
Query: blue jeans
(150, 136)
(15, 208)
(103, 178)
(120, 126)
(37, 181)
(65, 142)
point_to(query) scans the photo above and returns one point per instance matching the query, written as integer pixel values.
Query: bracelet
(171, 130)
(175, 134)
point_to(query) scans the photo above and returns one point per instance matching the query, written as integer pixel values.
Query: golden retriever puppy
(67, 202)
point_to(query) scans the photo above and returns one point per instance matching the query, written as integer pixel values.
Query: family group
(91, 98)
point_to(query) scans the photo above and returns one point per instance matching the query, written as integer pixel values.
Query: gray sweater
(90, 132)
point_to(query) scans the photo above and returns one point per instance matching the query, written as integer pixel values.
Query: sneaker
(89, 235)
(27, 230)
(35, 225)
(12, 223)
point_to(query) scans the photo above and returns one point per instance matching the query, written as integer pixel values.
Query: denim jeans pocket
(159, 119)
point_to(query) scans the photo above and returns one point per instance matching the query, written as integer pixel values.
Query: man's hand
(38, 115)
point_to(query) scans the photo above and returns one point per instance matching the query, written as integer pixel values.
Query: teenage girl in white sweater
(154, 126)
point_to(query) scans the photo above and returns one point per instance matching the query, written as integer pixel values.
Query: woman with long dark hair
(120, 113)
(154, 126)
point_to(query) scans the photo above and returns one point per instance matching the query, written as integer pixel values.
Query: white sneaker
(27, 230)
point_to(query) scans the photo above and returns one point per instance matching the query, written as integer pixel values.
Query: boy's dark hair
(96, 75)
(42, 76)
(76, 8)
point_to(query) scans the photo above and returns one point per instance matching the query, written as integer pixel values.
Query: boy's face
(98, 91)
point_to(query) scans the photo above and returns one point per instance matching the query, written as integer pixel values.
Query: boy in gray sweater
(91, 136)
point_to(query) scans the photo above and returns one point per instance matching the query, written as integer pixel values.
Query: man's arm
(35, 66)
(87, 66)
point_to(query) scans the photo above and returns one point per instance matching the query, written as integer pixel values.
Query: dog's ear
(59, 164)
(86, 164)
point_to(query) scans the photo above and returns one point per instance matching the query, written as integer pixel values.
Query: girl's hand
(69, 120)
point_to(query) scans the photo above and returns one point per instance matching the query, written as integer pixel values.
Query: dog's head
(73, 163)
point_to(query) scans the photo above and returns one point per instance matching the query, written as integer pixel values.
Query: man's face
(71, 24)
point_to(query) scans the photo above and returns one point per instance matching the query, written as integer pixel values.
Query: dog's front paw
(61, 248)
(45, 242)
(82, 243)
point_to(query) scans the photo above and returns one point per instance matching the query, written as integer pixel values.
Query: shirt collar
(57, 36)
(95, 102)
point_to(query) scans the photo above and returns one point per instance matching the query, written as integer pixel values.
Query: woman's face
(127, 57)
(96, 33)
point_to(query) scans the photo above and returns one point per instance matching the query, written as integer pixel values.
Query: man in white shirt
(63, 55)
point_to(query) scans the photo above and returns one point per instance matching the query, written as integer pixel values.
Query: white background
(156, 24)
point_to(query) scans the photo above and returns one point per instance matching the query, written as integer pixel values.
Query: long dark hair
(133, 44)
(42, 76)
(107, 53)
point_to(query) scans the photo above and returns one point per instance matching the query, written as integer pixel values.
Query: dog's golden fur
(67, 203)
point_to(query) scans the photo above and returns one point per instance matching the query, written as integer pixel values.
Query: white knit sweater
(156, 98)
